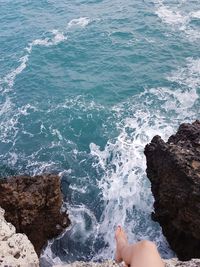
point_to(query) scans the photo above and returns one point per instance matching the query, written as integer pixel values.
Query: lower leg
(123, 249)
(141, 254)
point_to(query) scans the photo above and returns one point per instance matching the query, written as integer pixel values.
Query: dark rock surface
(32, 205)
(174, 171)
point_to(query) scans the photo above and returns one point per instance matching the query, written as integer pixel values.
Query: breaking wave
(124, 189)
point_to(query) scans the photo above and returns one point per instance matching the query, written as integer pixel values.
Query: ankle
(121, 244)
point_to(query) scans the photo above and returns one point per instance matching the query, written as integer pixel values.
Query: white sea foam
(81, 189)
(192, 34)
(9, 120)
(57, 133)
(171, 16)
(188, 78)
(178, 19)
(7, 124)
(189, 75)
(5, 107)
(78, 231)
(125, 189)
(80, 22)
(57, 38)
(25, 110)
(182, 99)
(195, 14)
(124, 185)
(10, 77)
(48, 256)
(13, 157)
(79, 226)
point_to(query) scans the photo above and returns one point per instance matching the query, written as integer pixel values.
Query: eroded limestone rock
(15, 249)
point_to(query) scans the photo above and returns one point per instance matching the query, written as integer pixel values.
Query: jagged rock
(173, 168)
(32, 205)
(168, 263)
(15, 249)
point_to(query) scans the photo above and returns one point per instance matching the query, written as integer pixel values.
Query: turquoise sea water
(85, 85)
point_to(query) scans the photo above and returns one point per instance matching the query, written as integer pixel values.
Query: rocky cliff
(173, 168)
(15, 249)
(32, 205)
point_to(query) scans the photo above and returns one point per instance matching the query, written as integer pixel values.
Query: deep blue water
(84, 87)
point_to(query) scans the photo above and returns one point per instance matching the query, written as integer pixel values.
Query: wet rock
(15, 249)
(173, 168)
(32, 205)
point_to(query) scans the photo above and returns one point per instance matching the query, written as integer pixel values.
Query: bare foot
(121, 240)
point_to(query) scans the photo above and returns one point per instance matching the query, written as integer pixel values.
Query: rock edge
(15, 249)
(33, 206)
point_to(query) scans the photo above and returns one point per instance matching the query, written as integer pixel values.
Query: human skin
(141, 254)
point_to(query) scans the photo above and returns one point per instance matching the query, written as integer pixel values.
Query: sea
(84, 86)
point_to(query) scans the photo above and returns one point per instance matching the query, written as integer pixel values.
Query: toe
(118, 259)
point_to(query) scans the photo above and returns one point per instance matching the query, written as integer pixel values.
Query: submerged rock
(15, 249)
(32, 205)
(173, 168)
